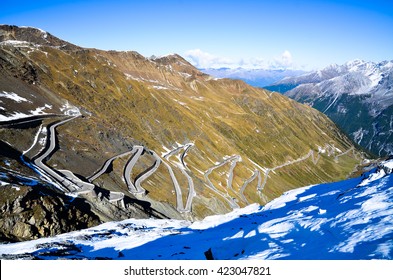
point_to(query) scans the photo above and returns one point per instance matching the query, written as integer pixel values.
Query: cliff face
(26, 213)
(173, 141)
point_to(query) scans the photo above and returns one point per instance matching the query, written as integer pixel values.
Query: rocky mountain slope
(358, 96)
(344, 220)
(137, 137)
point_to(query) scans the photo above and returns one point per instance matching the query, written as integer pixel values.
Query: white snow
(373, 177)
(14, 116)
(358, 135)
(198, 98)
(213, 221)
(335, 99)
(185, 75)
(14, 96)
(343, 220)
(377, 202)
(303, 198)
(70, 110)
(17, 43)
(388, 164)
(35, 140)
(42, 141)
(181, 103)
(160, 87)
(322, 211)
(321, 150)
(40, 110)
(286, 197)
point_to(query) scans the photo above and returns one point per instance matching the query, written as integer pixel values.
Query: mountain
(344, 220)
(117, 135)
(253, 77)
(358, 96)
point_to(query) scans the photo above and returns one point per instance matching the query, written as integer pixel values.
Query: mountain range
(254, 77)
(357, 96)
(90, 136)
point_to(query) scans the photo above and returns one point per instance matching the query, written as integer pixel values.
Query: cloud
(201, 59)
(284, 61)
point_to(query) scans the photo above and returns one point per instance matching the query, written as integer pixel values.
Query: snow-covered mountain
(254, 77)
(358, 96)
(345, 220)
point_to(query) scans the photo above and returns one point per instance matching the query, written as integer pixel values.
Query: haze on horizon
(213, 34)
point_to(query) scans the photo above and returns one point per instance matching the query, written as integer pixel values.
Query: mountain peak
(356, 61)
(37, 36)
(172, 59)
(358, 65)
(358, 89)
(178, 63)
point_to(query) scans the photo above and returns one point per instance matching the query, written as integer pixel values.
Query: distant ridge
(254, 77)
(357, 95)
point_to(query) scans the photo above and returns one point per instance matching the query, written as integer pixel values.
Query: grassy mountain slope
(127, 100)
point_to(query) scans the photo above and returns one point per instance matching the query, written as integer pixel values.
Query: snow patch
(69, 109)
(14, 96)
(213, 221)
(285, 198)
(303, 198)
(160, 87)
(40, 110)
(14, 116)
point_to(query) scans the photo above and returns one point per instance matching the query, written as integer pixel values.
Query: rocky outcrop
(34, 36)
(28, 213)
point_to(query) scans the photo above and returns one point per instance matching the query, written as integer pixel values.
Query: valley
(132, 137)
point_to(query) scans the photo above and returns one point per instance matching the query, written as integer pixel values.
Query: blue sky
(252, 34)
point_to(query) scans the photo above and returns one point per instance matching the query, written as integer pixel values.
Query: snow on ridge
(388, 164)
(14, 116)
(14, 96)
(384, 168)
(341, 220)
(215, 220)
(18, 115)
(40, 110)
(15, 42)
(285, 198)
(36, 28)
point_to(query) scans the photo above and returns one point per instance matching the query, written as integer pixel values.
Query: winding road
(233, 165)
(311, 153)
(67, 182)
(145, 174)
(183, 168)
(67, 185)
(231, 201)
(105, 166)
(132, 187)
(248, 181)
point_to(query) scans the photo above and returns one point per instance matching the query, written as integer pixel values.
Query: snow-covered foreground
(351, 219)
